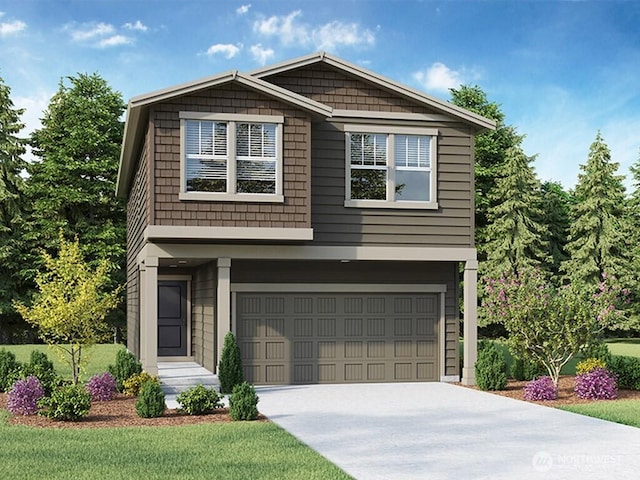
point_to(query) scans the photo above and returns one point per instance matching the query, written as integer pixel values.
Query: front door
(172, 318)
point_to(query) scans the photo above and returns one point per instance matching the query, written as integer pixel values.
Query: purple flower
(102, 387)
(598, 384)
(540, 389)
(24, 396)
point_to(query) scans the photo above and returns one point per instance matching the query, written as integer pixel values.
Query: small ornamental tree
(549, 325)
(230, 367)
(71, 305)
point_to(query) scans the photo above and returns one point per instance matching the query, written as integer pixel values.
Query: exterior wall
(203, 287)
(450, 225)
(295, 212)
(332, 87)
(249, 271)
(138, 217)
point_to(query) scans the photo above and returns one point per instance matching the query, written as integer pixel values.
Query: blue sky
(560, 70)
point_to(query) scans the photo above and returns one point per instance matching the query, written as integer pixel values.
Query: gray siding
(245, 271)
(449, 226)
(203, 287)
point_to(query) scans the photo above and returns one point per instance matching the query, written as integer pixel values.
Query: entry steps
(176, 377)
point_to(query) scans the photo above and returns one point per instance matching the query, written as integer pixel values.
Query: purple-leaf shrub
(102, 387)
(598, 384)
(24, 396)
(541, 388)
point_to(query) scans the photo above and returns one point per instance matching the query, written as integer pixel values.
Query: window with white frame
(390, 167)
(230, 157)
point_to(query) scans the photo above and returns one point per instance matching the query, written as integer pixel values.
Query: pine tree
(633, 236)
(597, 241)
(230, 367)
(516, 238)
(556, 203)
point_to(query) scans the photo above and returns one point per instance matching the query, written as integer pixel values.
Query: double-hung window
(390, 167)
(231, 157)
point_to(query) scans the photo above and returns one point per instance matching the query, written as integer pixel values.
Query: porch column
(149, 315)
(223, 304)
(470, 322)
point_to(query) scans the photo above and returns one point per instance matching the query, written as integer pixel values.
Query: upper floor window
(390, 167)
(231, 157)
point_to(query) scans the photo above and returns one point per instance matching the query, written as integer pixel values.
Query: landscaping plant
(525, 369)
(627, 370)
(243, 402)
(102, 387)
(199, 400)
(598, 384)
(230, 367)
(24, 396)
(589, 364)
(541, 388)
(491, 368)
(69, 403)
(151, 402)
(126, 366)
(134, 383)
(8, 365)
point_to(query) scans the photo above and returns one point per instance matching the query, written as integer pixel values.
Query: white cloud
(262, 55)
(284, 27)
(136, 26)
(333, 34)
(241, 10)
(33, 106)
(438, 77)
(228, 50)
(114, 41)
(10, 28)
(90, 31)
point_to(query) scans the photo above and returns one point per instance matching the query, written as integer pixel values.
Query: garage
(338, 337)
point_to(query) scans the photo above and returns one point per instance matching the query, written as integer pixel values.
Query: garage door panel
(336, 338)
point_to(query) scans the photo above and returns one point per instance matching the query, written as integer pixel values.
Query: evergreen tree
(633, 236)
(516, 237)
(71, 188)
(490, 154)
(230, 371)
(12, 213)
(597, 241)
(556, 203)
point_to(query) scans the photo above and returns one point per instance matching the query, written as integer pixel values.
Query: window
(392, 168)
(231, 157)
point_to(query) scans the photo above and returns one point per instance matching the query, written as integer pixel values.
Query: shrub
(598, 384)
(627, 369)
(243, 402)
(40, 358)
(491, 369)
(199, 400)
(589, 364)
(151, 402)
(230, 368)
(525, 369)
(126, 366)
(598, 350)
(102, 387)
(8, 365)
(69, 403)
(541, 388)
(24, 396)
(134, 383)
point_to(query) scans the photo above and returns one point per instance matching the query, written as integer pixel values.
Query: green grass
(99, 357)
(619, 411)
(235, 450)
(629, 347)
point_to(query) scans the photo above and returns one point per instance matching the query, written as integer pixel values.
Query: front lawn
(236, 450)
(619, 411)
(628, 347)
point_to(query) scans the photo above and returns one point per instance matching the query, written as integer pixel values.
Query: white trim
(232, 197)
(340, 288)
(188, 358)
(386, 204)
(350, 115)
(188, 279)
(231, 117)
(389, 129)
(179, 232)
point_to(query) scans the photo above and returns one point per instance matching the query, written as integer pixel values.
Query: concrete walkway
(442, 431)
(178, 376)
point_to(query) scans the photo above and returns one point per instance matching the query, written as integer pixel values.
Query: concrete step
(175, 377)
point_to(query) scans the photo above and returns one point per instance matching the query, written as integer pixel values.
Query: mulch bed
(120, 412)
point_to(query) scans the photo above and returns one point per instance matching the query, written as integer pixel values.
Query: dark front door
(172, 318)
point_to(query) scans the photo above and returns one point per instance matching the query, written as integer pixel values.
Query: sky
(561, 71)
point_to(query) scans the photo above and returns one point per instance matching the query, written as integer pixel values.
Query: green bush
(199, 400)
(243, 402)
(69, 403)
(8, 365)
(40, 358)
(491, 369)
(230, 367)
(526, 370)
(628, 371)
(126, 366)
(151, 402)
(134, 383)
(600, 351)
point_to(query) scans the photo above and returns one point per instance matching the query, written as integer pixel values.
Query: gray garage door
(338, 338)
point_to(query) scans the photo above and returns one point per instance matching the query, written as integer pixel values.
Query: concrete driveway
(443, 431)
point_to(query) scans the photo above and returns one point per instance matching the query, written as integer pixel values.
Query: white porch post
(149, 315)
(223, 303)
(470, 322)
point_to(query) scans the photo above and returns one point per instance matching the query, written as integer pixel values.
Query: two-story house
(318, 210)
